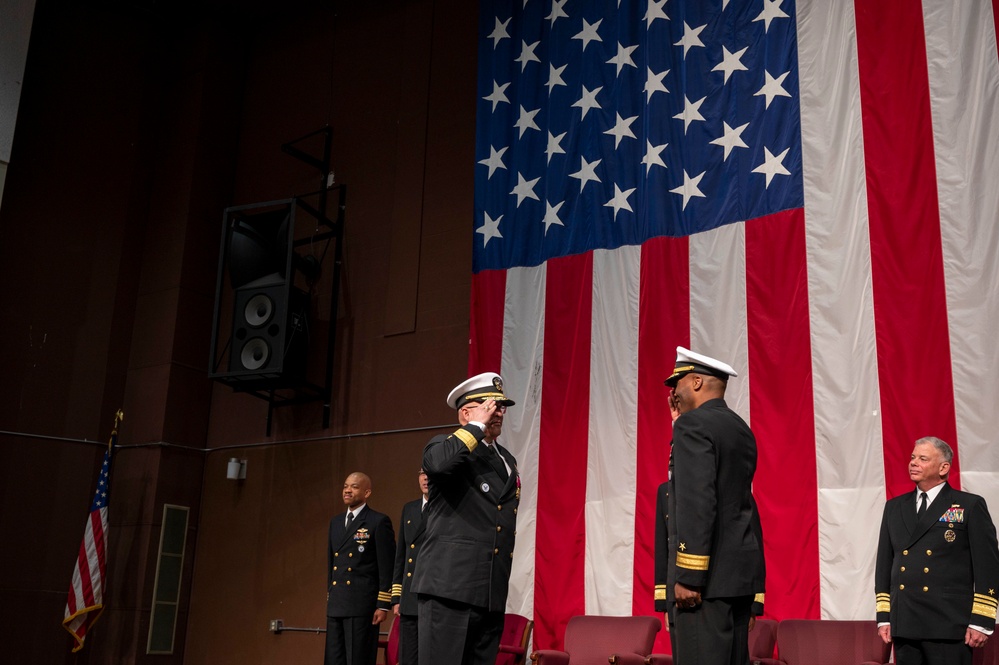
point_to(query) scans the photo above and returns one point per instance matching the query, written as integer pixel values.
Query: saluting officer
(463, 573)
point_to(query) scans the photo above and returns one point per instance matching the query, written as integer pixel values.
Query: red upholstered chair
(827, 642)
(762, 642)
(515, 640)
(390, 643)
(597, 640)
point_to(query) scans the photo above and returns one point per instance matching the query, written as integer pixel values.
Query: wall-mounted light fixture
(236, 469)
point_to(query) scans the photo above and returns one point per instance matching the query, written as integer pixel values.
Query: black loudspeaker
(270, 336)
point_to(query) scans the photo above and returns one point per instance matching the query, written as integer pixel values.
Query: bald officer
(359, 576)
(715, 564)
(463, 572)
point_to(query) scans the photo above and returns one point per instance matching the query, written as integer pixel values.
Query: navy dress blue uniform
(359, 579)
(411, 530)
(463, 573)
(714, 531)
(937, 574)
(661, 558)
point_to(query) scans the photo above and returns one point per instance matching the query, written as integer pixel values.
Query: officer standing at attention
(937, 571)
(359, 576)
(715, 551)
(404, 603)
(463, 573)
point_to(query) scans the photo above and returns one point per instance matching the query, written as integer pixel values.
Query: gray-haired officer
(716, 563)
(463, 572)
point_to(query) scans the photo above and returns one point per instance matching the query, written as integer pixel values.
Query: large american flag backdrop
(806, 190)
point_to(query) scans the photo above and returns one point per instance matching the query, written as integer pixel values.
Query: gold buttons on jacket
(499, 507)
(334, 582)
(926, 588)
(901, 586)
(498, 528)
(351, 554)
(410, 561)
(926, 570)
(496, 551)
(903, 569)
(905, 552)
(348, 582)
(929, 552)
(409, 574)
(334, 567)
(412, 547)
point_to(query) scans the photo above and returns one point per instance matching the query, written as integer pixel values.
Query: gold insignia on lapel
(950, 536)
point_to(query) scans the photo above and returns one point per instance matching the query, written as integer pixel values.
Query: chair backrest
(827, 642)
(391, 645)
(763, 639)
(592, 639)
(515, 639)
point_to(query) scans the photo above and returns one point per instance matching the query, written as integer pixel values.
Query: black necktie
(350, 519)
(922, 504)
(497, 461)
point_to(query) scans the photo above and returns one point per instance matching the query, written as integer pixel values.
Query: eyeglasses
(499, 407)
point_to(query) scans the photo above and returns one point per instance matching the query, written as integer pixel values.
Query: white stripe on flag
(964, 94)
(718, 305)
(523, 341)
(611, 458)
(849, 461)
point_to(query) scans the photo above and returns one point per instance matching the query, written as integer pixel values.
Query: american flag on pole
(86, 592)
(802, 188)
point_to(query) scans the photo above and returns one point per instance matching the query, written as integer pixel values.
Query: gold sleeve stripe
(986, 600)
(758, 598)
(467, 438)
(883, 606)
(984, 610)
(692, 561)
(396, 589)
(384, 596)
(660, 592)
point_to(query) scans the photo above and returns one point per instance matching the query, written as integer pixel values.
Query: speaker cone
(255, 353)
(259, 310)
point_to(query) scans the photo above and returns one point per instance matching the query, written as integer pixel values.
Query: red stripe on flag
(486, 324)
(82, 563)
(781, 405)
(910, 307)
(663, 324)
(559, 589)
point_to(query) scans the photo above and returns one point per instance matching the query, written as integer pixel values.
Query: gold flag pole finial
(118, 417)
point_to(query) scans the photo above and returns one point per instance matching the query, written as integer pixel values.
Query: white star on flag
(732, 138)
(773, 88)
(525, 189)
(691, 112)
(653, 155)
(731, 62)
(498, 94)
(526, 121)
(690, 38)
(588, 100)
(621, 129)
(499, 32)
(771, 10)
(772, 165)
(654, 83)
(489, 228)
(589, 33)
(623, 57)
(689, 188)
(494, 160)
(620, 200)
(586, 173)
(551, 215)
